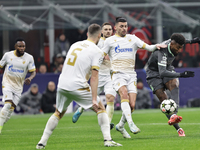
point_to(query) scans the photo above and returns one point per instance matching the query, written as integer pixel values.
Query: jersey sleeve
(139, 42)
(3, 61)
(31, 65)
(97, 60)
(162, 67)
(106, 47)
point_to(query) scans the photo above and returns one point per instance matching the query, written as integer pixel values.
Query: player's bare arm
(94, 85)
(28, 80)
(158, 46)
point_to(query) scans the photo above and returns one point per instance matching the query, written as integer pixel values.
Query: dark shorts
(158, 83)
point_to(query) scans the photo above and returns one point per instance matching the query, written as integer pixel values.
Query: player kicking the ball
(73, 86)
(161, 75)
(105, 83)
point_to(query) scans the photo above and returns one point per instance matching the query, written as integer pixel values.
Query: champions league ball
(168, 106)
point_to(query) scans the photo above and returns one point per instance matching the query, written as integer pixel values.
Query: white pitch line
(139, 124)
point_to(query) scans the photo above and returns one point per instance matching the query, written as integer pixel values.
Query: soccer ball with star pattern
(168, 106)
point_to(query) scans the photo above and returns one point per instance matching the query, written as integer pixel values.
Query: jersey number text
(75, 56)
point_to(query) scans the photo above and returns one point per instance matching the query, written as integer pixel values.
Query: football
(168, 106)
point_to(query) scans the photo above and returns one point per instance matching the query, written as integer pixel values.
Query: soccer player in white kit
(105, 83)
(83, 58)
(121, 49)
(17, 63)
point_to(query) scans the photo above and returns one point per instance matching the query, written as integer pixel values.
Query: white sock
(104, 124)
(122, 121)
(126, 111)
(9, 114)
(110, 110)
(50, 126)
(4, 113)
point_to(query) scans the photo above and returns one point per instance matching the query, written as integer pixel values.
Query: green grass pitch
(22, 132)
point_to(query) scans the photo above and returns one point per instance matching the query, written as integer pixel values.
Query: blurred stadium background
(41, 21)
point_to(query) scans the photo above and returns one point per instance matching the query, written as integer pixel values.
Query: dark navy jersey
(160, 64)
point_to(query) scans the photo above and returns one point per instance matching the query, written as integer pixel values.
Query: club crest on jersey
(24, 62)
(10, 68)
(164, 58)
(122, 50)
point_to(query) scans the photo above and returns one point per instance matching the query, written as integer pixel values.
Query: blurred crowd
(34, 102)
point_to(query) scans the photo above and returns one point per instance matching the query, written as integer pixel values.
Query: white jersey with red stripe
(82, 57)
(122, 51)
(16, 69)
(105, 66)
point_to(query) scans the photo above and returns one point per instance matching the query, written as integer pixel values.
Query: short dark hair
(178, 38)
(94, 28)
(106, 23)
(120, 19)
(19, 39)
(139, 80)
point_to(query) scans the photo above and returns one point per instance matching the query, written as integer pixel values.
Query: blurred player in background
(121, 49)
(105, 83)
(73, 85)
(161, 75)
(17, 63)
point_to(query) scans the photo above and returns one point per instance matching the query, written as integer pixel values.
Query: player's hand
(158, 46)
(195, 40)
(27, 81)
(187, 74)
(95, 106)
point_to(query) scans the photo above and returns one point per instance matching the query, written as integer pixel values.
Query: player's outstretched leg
(77, 114)
(5, 114)
(105, 129)
(50, 126)
(127, 113)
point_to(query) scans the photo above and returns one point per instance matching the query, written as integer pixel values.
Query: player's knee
(110, 98)
(123, 92)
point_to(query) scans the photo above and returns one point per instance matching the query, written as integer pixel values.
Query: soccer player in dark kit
(161, 75)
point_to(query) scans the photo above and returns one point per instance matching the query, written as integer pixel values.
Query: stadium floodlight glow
(177, 14)
(14, 20)
(118, 12)
(57, 10)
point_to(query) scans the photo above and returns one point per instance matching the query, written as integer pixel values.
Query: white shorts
(81, 97)
(10, 95)
(129, 80)
(106, 85)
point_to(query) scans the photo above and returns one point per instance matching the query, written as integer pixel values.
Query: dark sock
(175, 95)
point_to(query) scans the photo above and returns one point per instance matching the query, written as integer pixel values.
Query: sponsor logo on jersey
(164, 58)
(121, 50)
(10, 68)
